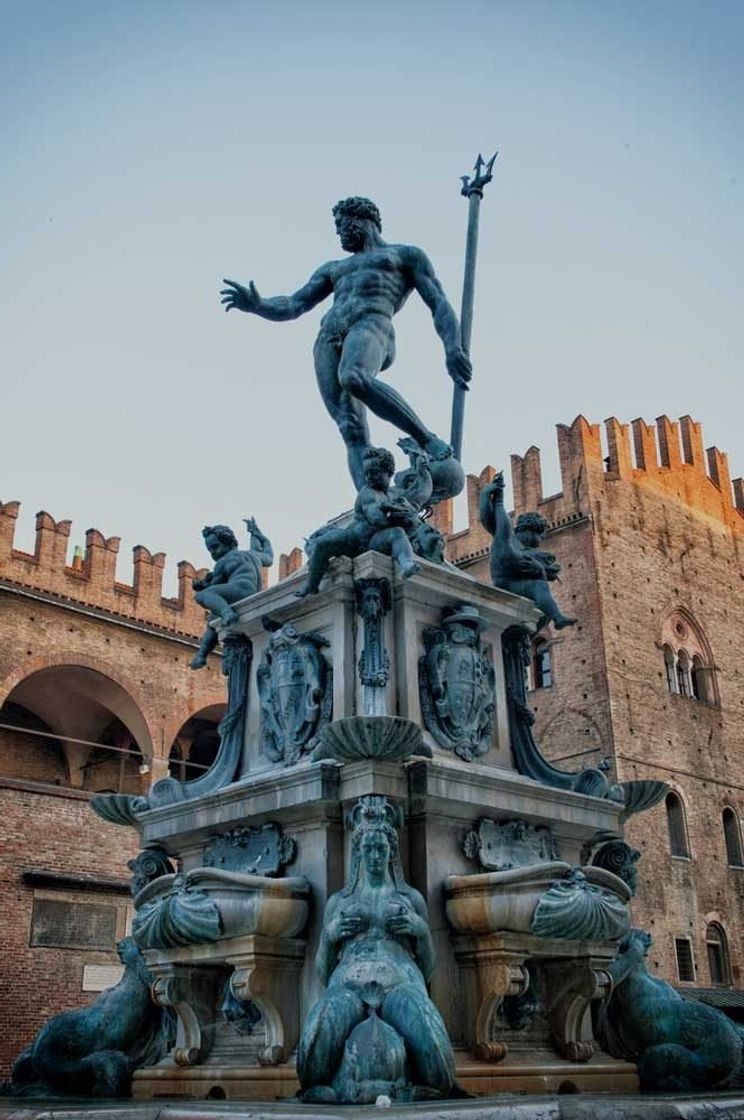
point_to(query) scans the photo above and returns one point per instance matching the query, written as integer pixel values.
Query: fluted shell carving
(384, 737)
(183, 916)
(577, 909)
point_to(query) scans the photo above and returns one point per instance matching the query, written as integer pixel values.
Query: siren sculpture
(375, 1031)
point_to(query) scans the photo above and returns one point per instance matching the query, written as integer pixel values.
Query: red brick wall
(49, 830)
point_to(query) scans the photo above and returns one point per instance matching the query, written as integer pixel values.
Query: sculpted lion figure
(679, 1045)
(93, 1051)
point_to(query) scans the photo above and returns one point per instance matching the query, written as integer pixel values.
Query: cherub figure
(383, 519)
(517, 562)
(235, 576)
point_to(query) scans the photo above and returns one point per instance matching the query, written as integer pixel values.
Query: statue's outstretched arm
(260, 543)
(278, 308)
(493, 515)
(445, 321)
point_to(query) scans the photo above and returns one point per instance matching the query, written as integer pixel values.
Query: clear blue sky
(151, 148)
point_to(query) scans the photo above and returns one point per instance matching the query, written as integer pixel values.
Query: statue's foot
(228, 616)
(408, 570)
(563, 621)
(198, 661)
(305, 591)
(436, 448)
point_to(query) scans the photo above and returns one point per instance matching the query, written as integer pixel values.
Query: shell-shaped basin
(548, 899)
(206, 904)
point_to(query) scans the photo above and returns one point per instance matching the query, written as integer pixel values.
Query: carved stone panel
(295, 687)
(501, 845)
(457, 684)
(254, 851)
(73, 925)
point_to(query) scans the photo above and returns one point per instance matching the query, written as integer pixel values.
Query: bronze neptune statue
(356, 340)
(375, 1031)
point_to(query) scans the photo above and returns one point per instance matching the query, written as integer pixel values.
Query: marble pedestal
(441, 796)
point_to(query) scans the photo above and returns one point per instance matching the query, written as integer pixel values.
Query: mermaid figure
(375, 1030)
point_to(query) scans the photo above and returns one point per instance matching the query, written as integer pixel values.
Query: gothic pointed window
(689, 669)
(718, 958)
(677, 826)
(732, 836)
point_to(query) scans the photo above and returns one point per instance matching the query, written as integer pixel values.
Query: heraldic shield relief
(295, 687)
(457, 683)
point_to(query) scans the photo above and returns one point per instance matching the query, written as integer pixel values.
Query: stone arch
(87, 705)
(196, 742)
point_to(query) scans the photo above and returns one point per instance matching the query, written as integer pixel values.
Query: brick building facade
(649, 531)
(95, 695)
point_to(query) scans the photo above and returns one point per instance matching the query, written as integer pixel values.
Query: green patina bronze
(356, 341)
(375, 956)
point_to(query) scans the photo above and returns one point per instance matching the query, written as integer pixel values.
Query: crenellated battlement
(666, 456)
(91, 578)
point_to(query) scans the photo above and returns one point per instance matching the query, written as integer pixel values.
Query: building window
(688, 664)
(542, 666)
(718, 962)
(678, 845)
(732, 835)
(685, 961)
(683, 674)
(671, 679)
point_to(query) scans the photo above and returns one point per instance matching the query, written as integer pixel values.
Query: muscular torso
(370, 284)
(236, 565)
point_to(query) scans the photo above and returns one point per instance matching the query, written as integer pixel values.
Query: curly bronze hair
(223, 533)
(358, 207)
(385, 460)
(531, 523)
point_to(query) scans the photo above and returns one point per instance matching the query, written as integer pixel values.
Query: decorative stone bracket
(267, 972)
(192, 993)
(569, 988)
(491, 968)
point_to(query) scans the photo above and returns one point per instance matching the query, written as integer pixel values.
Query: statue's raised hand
(459, 367)
(244, 299)
(250, 524)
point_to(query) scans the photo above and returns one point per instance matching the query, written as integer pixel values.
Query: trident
(472, 189)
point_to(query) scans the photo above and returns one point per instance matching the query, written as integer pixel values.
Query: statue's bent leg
(413, 1015)
(206, 645)
(345, 410)
(363, 355)
(542, 597)
(324, 1035)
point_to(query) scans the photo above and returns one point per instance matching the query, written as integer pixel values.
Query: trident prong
(482, 175)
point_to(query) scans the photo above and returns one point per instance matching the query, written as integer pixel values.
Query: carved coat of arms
(295, 687)
(457, 684)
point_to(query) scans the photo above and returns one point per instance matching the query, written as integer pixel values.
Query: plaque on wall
(99, 977)
(72, 925)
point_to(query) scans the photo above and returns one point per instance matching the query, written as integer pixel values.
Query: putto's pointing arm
(493, 515)
(260, 543)
(280, 308)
